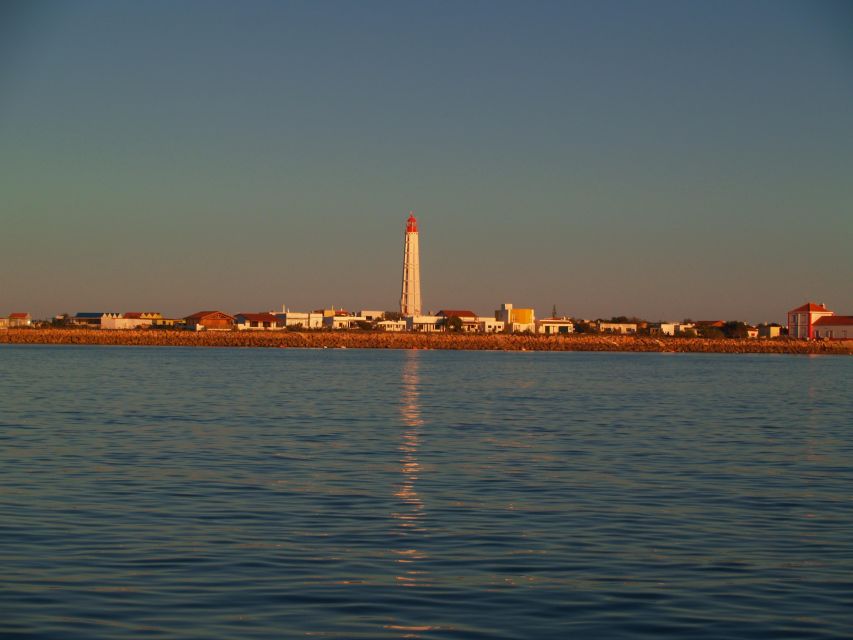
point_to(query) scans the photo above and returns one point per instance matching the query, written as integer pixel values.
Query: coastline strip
(379, 340)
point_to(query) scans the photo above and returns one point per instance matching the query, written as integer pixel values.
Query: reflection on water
(409, 517)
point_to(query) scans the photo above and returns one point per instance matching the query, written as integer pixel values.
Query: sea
(205, 493)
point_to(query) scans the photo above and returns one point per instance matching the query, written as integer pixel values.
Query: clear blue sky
(663, 159)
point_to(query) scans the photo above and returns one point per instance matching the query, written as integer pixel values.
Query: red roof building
(833, 327)
(256, 321)
(19, 319)
(801, 320)
(809, 306)
(459, 313)
(469, 319)
(715, 324)
(215, 320)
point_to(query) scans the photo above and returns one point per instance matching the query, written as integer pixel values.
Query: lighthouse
(410, 297)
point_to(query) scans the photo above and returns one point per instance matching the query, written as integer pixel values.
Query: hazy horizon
(664, 160)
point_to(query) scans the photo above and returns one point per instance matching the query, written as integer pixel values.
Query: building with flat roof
(516, 320)
(617, 327)
(553, 326)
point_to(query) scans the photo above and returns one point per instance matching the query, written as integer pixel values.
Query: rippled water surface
(226, 493)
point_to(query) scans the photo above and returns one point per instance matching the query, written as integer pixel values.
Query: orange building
(213, 320)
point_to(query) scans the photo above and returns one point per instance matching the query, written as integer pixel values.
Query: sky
(659, 159)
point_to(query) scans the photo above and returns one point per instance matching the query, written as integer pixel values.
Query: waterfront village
(810, 321)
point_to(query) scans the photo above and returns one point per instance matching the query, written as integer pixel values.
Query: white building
(834, 328)
(490, 325)
(427, 324)
(670, 328)
(617, 327)
(553, 326)
(303, 319)
(343, 321)
(372, 315)
(391, 325)
(256, 322)
(125, 323)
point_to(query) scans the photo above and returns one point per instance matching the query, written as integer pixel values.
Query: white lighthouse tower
(410, 298)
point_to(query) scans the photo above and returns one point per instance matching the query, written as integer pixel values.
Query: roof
(258, 317)
(833, 320)
(565, 321)
(89, 314)
(18, 316)
(459, 313)
(810, 306)
(203, 314)
(710, 323)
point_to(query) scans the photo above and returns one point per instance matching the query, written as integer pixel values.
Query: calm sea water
(243, 493)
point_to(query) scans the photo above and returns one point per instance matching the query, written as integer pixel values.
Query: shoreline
(437, 341)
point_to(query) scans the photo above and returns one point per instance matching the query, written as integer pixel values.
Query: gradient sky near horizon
(659, 159)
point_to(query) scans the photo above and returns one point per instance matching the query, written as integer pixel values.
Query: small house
(469, 319)
(485, 324)
(391, 325)
(553, 326)
(426, 324)
(618, 327)
(255, 321)
(20, 320)
(92, 319)
(769, 331)
(371, 315)
(210, 320)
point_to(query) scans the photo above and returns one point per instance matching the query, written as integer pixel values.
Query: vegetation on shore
(453, 341)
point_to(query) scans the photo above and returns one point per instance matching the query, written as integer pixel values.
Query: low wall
(380, 340)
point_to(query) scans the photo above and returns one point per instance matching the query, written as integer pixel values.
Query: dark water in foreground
(201, 493)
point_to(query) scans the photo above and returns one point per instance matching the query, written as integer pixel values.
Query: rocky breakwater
(379, 340)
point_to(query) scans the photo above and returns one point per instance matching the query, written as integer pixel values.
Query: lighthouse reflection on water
(409, 516)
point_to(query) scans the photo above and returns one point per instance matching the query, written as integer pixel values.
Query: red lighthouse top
(412, 223)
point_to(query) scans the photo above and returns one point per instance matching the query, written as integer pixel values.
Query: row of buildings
(809, 321)
(507, 318)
